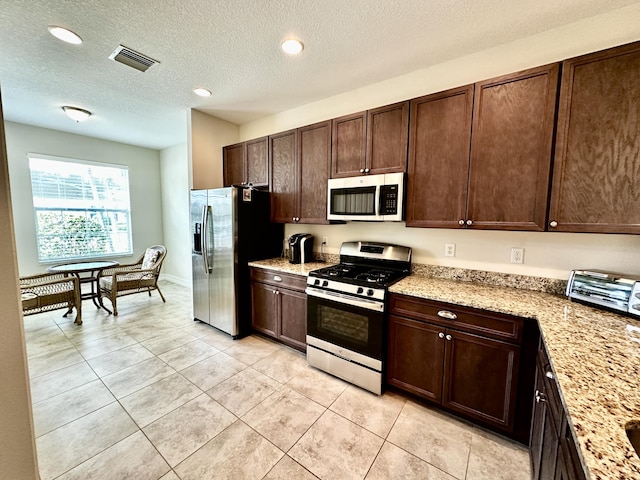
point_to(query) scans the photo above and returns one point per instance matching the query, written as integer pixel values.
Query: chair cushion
(29, 300)
(128, 281)
(150, 258)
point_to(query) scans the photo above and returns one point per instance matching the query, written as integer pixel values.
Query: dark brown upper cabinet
(300, 161)
(233, 164)
(596, 171)
(370, 142)
(439, 146)
(284, 176)
(480, 155)
(511, 148)
(246, 163)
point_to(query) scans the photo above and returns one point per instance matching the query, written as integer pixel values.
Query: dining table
(87, 273)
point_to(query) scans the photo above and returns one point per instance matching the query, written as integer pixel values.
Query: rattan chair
(51, 291)
(138, 277)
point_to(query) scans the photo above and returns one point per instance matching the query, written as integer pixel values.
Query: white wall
(17, 445)
(174, 168)
(546, 254)
(144, 179)
(207, 136)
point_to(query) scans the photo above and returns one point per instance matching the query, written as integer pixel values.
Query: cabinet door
(348, 145)
(293, 318)
(537, 426)
(511, 148)
(440, 133)
(258, 161)
(314, 156)
(481, 378)
(284, 177)
(264, 309)
(596, 172)
(387, 138)
(568, 466)
(415, 357)
(233, 164)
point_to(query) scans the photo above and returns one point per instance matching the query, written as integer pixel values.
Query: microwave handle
(380, 200)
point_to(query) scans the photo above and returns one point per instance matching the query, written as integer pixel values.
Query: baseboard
(174, 279)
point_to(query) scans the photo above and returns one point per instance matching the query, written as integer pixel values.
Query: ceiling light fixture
(77, 114)
(292, 46)
(64, 34)
(202, 92)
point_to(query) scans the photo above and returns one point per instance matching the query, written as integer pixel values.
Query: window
(81, 208)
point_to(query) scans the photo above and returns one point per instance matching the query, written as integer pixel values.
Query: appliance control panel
(343, 287)
(389, 199)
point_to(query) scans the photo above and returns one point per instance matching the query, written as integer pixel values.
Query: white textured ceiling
(232, 48)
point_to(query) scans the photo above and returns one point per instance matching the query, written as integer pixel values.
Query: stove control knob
(316, 281)
(360, 290)
(325, 283)
(369, 292)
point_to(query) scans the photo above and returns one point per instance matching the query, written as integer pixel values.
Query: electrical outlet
(450, 250)
(517, 255)
(325, 240)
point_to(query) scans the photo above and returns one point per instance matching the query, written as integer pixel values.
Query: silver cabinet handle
(277, 292)
(460, 222)
(366, 170)
(553, 224)
(362, 170)
(469, 222)
(277, 278)
(447, 314)
(448, 337)
(549, 375)
(540, 397)
(441, 335)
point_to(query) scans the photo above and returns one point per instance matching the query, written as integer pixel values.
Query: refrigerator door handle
(205, 239)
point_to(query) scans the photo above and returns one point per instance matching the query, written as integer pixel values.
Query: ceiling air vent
(132, 58)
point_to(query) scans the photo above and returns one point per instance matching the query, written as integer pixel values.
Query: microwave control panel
(388, 199)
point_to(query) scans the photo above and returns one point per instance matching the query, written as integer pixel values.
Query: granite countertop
(594, 354)
(283, 265)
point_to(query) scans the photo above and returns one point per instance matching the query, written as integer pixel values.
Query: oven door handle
(347, 299)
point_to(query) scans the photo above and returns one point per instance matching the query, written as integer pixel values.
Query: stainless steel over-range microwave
(377, 198)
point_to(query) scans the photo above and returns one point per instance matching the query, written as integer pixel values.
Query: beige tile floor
(151, 394)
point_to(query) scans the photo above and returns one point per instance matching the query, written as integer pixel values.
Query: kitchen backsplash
(525, 282)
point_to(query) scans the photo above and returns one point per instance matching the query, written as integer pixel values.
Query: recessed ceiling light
(292, 46)
(64, 34)
(77, 114)
(202, 92)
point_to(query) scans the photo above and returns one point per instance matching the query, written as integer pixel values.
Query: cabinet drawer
(493, 325)
(273, 277)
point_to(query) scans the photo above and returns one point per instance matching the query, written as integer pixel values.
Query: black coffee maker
(300, 248)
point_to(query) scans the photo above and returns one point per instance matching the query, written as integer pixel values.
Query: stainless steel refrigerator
(230, 227)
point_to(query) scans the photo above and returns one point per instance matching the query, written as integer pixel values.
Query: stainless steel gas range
(346, 311)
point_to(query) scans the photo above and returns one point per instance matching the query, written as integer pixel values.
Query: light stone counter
(595, 356)
(283, 265)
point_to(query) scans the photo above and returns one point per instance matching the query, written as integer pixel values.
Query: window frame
(93, 209)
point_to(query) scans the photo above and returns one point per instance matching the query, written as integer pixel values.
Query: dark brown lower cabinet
(553, 450)
(279, 307)
(471, 374)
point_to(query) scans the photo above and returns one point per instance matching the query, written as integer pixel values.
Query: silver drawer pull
(540, 397)
(277, 278)
(447, 314)
(549, 375)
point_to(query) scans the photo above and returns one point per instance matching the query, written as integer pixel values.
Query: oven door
(349, 322)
